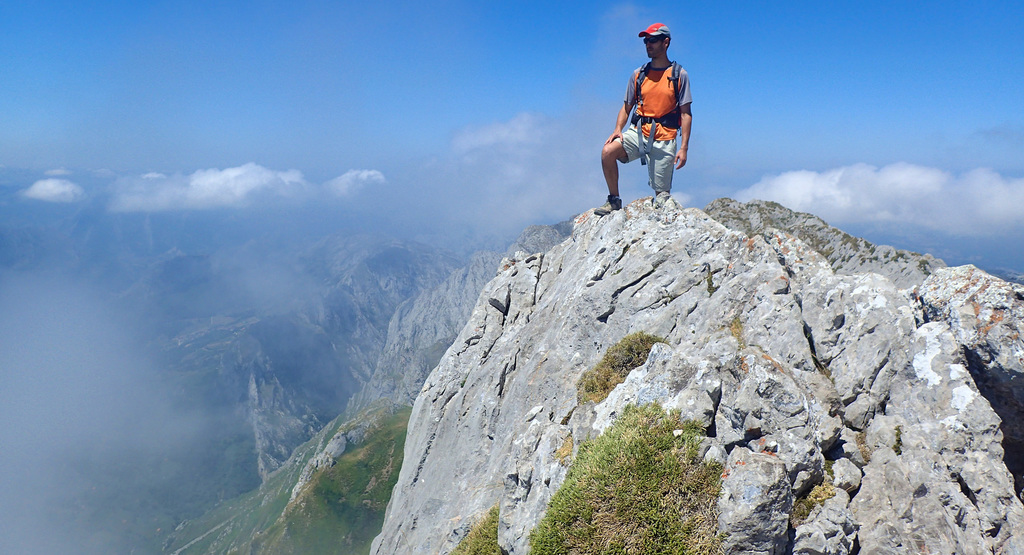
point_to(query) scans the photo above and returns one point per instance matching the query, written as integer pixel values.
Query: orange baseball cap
(655, 29)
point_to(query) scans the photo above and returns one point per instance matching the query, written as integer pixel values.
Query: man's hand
(680, 158)
(616, 135)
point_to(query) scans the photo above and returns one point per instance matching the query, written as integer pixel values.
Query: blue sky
(899, 121)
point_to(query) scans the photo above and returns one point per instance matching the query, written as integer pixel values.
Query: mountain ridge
(797, 369)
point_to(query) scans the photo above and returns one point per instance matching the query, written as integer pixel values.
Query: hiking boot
(661, 198)
(614, 203)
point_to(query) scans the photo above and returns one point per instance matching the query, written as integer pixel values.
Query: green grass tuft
(862, 444)
(711, 286)
(637, 488)
(564, 453)
(483, 538)
(736, 329)
(621, 358)
(802, 507)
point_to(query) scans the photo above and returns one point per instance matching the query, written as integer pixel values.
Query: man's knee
(613, 151)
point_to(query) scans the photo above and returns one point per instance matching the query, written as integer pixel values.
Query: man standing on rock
(660, 91)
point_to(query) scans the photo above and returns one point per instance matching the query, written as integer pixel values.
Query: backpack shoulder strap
(673, 78)
(641, 71)
(638, 79)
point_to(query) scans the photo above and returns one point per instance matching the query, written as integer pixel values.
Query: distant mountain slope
(847, 254)
(287, 368)
(339, 510)
(419, 332)
(423, 328)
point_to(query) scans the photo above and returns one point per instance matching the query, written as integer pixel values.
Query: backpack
(671, 119)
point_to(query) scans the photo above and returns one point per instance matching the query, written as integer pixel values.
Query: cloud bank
(54, 190)
(975, 203)
(353, 181)
(84, 415)
(228, 188)
(204, 189)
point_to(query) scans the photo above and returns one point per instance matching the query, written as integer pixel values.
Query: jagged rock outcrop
(423, 328)
(847, 254)
(802, 374)
(986, 316)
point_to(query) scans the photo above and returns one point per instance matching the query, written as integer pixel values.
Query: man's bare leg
(611, 155)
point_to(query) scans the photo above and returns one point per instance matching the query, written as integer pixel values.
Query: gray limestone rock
(847, 254)
(846, 475)
(783, 361)
(859, 326)
(755, 503)
(829, 529)
(986, 314)
(936, 480)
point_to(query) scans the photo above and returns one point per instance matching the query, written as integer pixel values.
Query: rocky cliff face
(423, 327)
(421, 330)
(900, 393)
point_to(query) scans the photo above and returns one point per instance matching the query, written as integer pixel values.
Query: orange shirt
(658, 98)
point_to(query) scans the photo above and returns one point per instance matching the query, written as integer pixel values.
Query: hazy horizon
(900, 123)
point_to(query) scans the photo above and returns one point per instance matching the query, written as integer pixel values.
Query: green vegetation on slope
(341, 510)
(637, 488)
(483, 538)
(262, 521)
(627, 354)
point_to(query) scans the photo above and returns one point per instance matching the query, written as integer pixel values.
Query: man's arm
(685, 120)
(620, 122)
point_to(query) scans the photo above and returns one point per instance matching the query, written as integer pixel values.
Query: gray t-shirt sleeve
(631, 90)
(684, 90)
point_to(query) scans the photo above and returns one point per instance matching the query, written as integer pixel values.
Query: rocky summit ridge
(902, 390)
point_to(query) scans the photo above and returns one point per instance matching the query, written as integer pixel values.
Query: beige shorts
(661, 164)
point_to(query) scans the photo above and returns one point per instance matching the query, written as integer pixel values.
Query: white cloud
(504, 176)
(59, 172)
(354, 180)
(524, 129)
(54, 190)
(978, 202)
(204, 189)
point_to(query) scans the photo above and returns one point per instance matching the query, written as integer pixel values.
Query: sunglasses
(657, 38)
